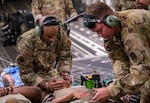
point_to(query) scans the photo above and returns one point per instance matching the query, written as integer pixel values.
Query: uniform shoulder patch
(21, 60)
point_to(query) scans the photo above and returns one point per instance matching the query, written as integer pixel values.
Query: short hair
(99, 9)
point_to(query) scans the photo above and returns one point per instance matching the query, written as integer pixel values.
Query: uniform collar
(41, 44)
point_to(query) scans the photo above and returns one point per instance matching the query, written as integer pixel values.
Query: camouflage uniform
(14, 98)
(129, 51)
(36, 59)
(62, 8)
(124, 4)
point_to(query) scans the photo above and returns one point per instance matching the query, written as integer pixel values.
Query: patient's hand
(79, 94)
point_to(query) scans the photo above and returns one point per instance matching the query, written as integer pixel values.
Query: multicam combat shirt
(36, 59)
(129, 50)
(62, 9)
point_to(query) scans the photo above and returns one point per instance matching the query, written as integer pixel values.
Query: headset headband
(89, 20)
(49, 21)
(108, 20)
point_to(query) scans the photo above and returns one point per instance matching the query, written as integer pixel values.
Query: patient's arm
(64, 98)
(75, 94)
(34, 95)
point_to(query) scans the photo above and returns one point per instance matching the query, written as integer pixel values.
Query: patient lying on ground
(68, 93)
(71, 93)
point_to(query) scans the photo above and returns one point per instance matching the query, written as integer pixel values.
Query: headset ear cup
(148, 8)
(111, 20)
(38, 29)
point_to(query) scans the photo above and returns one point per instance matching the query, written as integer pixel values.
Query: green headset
(148, 7)
(109, 20)
(48, 21)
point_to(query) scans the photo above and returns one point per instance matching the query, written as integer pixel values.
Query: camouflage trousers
(145, 99)
(14, 98)
(145, 93)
